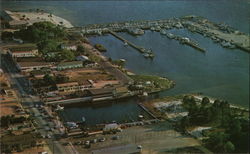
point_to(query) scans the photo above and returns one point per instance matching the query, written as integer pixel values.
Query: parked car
(102, 139)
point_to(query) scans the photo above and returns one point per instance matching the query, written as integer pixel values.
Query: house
(31, 66)
(69, 47)
(24, 51)
(69, 65)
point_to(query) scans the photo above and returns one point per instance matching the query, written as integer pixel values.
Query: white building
(23, 51)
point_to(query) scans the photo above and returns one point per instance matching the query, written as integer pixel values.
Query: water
(220, 73)
(122, 111)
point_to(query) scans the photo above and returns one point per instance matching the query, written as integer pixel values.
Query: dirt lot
(7, 108)
(87, 74)
(35, 150)
(154, 138)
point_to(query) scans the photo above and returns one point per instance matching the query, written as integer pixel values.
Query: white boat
(170, 35)
(59, 108)
(125, 44)
(163, 32)
(140, 116)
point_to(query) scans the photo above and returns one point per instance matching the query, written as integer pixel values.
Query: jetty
(138, 48)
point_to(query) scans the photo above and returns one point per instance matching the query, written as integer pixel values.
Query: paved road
(28, 101)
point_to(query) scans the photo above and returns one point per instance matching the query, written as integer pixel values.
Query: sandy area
(32, 17)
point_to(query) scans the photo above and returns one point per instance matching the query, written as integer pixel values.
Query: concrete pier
(138, 48)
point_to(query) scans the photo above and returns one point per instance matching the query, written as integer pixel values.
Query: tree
(19, 147)
(229, 147)
(46, 46)
(61, 78)
(67, 55)
(7, 35)
(216, 141)
(48, 79)
(205, 101)
(80, 49)
(41, 31)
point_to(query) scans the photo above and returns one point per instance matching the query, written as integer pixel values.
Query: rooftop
(29, 59)
(69, 63)
(101, 91)
(30, 64)
(23, 48)
(67, 84)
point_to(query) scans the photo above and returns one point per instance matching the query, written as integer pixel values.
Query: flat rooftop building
(31, 66)
(24, 51)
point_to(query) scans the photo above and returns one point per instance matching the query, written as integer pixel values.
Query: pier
(138, 48)
(146, 110)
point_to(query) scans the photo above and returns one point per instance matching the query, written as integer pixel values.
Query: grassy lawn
(159, 83)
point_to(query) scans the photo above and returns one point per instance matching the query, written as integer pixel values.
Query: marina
(220, 33)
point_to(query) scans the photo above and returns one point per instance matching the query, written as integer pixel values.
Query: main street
(30, 102)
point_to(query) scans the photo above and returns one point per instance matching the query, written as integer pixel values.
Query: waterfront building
(101, 93)
(111, 127)
(69, 65)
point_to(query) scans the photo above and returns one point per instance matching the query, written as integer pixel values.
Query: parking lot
(154, 138)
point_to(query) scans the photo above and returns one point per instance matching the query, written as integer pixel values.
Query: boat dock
(195, 24)
(146, 110)
(138, 48)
